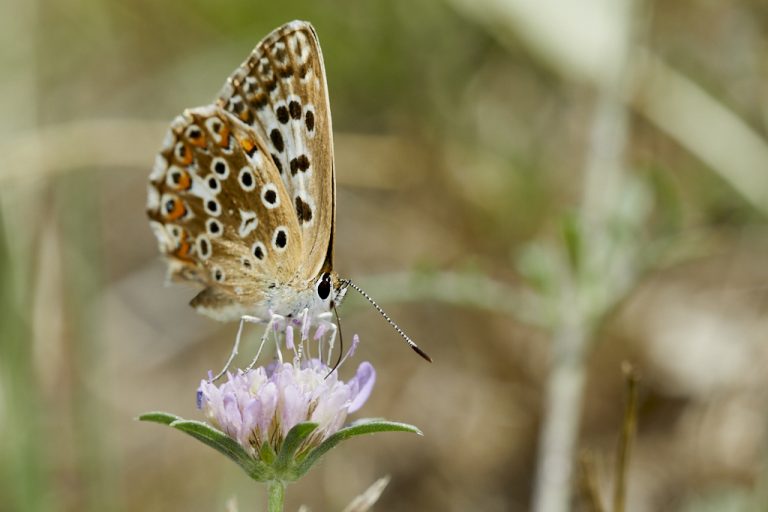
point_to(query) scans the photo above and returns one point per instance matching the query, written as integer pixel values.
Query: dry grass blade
(627, 437)
(588, 481)
(368, 499)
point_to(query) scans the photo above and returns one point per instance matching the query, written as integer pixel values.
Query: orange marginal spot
(248, 146)
(184, 248)
(224, 134)
(174, 209)
(184, 155)
(185, 182)
(198, 141)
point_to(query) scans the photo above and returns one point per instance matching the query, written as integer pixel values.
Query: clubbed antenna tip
(423, 354)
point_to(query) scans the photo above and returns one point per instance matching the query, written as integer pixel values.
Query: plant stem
(561, 420)
(276, 490)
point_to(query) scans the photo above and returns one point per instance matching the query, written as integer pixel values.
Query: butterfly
(242, 196)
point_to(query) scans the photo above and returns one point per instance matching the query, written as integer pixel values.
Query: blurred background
(535, 191)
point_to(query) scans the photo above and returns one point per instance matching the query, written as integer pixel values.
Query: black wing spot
(303, 211)
(300, 163)
(309, 119)
(282, 114)
(281, 240)
(279, 165)
(295, 108)
(277, 140)
(247, 179)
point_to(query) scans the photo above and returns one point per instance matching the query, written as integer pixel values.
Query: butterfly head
(330, 289)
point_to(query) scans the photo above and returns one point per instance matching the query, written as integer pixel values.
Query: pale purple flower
(263, 404)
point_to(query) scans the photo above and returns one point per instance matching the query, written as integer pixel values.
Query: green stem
(276, 490)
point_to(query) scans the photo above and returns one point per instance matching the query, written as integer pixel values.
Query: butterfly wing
(281, 92)
(219, 210)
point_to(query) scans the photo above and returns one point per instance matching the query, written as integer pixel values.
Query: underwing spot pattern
(259, 250)
(269, 196)
(241, 192)
(214, 228)
(248, 223)
(303, 210)
(246, 179)
(280, 238)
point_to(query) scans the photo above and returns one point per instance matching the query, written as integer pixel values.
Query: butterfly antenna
(407, 339)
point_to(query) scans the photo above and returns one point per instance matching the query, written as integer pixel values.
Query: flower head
(261, 406)
(278, 420)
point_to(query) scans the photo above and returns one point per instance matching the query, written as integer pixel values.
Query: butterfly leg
(334, 330)
(322, 326)
(270, 325)
(236, 346)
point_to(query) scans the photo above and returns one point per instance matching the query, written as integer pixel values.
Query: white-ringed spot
(194, 135)
(269, 196)
(214, 228)
(218, 274)
(280, 238)
(220, 167)
(213, 184)
(182, 153)
(212, 207)
(246, 179)
(203, 247)
(178, 178)
(172, 208)
(214, 125)
(259, 250)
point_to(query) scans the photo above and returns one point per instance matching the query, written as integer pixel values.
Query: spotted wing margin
(282, 93)
(221, 213)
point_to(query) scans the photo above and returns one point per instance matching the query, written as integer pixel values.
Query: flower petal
(363, 383)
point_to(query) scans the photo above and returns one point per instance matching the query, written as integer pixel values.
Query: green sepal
(291, 444)
(358, 428)
(267, 453)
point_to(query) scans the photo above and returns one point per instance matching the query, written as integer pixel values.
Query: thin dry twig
(589, 482)
(627, 437)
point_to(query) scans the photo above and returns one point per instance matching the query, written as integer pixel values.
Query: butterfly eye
(324, 287)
